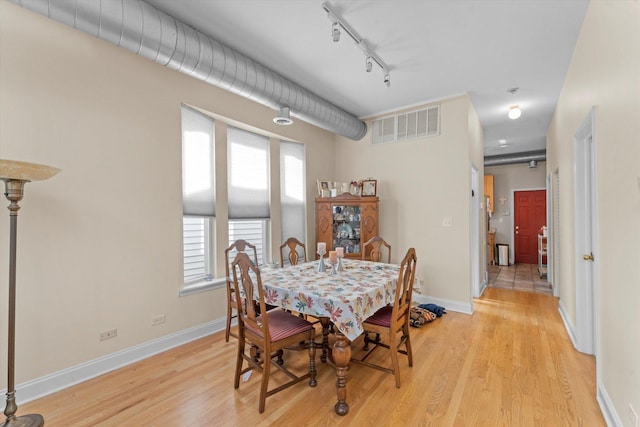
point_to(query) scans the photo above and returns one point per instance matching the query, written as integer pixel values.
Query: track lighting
(514, 112)
(335, 32)
(338, 24)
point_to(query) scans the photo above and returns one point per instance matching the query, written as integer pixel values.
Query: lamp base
(31, 420)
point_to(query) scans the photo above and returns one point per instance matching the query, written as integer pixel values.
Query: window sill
(195, 288)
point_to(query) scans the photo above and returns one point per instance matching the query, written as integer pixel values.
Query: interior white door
(585, 236)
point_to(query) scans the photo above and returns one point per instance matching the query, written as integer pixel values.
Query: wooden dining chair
(392, 322)
(270, 332)
(372, 250)
(297, 251)
(237, 246)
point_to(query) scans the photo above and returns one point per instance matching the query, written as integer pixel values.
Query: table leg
(341, 358)
(325, 322)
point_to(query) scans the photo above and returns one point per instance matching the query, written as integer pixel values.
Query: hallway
(519, 277)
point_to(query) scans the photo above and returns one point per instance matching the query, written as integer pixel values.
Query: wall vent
(403, 127)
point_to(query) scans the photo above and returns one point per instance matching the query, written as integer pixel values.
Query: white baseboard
(483, 286)
(606, 407)
(56, 381)
(567, 324)
(457, 306)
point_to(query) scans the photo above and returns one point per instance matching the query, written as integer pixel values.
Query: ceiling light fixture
(283, 117)
(338, 23)
(502, 141)
(514, 112)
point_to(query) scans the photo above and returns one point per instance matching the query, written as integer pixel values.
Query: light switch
(447, 222)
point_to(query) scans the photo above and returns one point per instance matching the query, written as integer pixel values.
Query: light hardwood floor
(509, 364)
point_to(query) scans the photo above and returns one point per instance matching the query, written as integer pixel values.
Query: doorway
(530, 214)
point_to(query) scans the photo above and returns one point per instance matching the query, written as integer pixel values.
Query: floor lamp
(15, 174)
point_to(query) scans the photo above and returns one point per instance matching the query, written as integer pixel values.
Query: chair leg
(407, 344)
(393, 348)
(266, 371)
(239, 360)
(312, 363)
(228, 328)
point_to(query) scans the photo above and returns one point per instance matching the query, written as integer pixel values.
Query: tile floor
(519, 277)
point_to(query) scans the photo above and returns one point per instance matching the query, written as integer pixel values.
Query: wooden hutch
(346, 220)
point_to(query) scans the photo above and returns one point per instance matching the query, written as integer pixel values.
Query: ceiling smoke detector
(533, 164)
(283, 117)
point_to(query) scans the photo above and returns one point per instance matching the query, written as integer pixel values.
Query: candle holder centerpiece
(333, 261)
(322, 249)
(340, 253)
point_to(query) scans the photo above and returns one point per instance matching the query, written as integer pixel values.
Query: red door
(530, 214)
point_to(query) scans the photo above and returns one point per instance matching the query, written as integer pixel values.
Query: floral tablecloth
(347, 298)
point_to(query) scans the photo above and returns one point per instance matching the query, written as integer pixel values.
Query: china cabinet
(346, 221)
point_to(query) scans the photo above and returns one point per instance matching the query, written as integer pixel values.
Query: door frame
(512, 235)
(555, 240)
(586, 272)
(476, 288)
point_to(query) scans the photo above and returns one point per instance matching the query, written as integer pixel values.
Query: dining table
(344, 297)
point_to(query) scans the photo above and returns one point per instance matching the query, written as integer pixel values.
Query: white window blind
(198, 195)
(292, 185)
(248, 170)
(198, 250)
(254, 232)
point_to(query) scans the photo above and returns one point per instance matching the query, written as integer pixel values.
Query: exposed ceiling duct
(151, 33)
(509, 159)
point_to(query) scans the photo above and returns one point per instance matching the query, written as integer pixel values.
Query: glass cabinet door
(346, 228)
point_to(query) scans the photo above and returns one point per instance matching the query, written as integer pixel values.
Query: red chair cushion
(283, 325)
(381, 317)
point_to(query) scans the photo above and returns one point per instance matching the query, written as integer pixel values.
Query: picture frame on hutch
(324, 188)
(369, 187)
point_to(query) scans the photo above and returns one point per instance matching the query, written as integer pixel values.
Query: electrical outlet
(111, 333)
(633, 417)
(159, 319)
(447, 222)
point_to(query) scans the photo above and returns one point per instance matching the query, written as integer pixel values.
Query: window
(248, 171)
(292, 185)
(253, 231)
(198, 195)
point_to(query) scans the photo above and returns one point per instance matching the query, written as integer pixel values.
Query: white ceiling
(434, 50)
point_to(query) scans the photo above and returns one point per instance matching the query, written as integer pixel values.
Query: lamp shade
(24, 171)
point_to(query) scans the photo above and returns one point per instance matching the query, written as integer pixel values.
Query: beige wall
(100, 245)
(605, 73)
(420, 182)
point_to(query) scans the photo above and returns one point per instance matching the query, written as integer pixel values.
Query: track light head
(368, 65)
(387, 79)
(335, 32)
